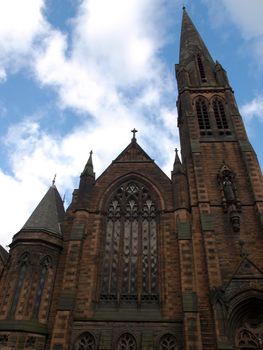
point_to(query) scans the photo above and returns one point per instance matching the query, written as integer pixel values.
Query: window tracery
(129, 272)
(126, 342)
(85, 342)
(168, 342)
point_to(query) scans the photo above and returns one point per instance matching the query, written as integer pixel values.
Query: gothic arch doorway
(247, 324)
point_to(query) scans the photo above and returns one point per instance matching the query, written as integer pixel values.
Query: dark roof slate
(48, 214)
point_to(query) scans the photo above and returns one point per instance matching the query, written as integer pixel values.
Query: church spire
(88, 170)
(191, 42)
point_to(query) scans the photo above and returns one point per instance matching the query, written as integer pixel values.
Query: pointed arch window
(45, 264)
(203, 117)
(126, 342)
(220, 117)
(23, 263)
(168, 342)
(129, 271)
(201, 68)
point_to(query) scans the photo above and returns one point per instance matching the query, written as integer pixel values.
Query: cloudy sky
(77, 75)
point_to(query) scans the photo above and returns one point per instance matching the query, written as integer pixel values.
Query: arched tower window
(126, 342)
(129, 271)
(23, 265)
(203, 117)
(220, 117)
(85, 342)
(45, 264)
(168, 342)
(201, 68)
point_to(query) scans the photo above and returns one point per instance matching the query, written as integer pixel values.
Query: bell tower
(225, 189)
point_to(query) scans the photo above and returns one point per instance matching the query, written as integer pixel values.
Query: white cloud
(21, 23)
(109, 69)
(253, 109)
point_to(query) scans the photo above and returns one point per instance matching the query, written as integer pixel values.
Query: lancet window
(23, 265)
(201, 69)
(44, 266)
(130, 266)
(220, 117)
(203, 117)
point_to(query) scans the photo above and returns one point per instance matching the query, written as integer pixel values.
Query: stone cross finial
(134, 132)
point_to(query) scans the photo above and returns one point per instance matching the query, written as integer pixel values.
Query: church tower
(142, 261)
(225, 203)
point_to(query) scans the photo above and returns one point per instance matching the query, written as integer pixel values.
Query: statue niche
(230, 201)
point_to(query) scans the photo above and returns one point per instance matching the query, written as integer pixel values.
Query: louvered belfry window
(220, 116)
(201, 69)
(203, 117)
(130, 272)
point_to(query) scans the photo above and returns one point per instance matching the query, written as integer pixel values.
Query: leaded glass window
(130, 267)
(126, 342)
(168, 342)
(85, 342)
(203, 117)
(23, 265)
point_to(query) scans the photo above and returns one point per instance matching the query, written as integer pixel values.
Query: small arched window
(45, 264)
(203, 117)
(126, 342)
(85, 342)
(23, 265)
(130, 269)
(201, 68)
(220, 117)
(168, 342)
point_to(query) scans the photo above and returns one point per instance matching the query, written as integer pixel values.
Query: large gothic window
(126, 342)
(168, 342)
(203, 117)
(129, 272)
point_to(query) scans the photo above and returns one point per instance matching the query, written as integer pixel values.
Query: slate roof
(48, 214)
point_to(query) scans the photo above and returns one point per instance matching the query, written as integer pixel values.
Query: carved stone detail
(230, 201)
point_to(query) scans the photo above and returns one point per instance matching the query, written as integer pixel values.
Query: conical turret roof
(48, 214)
(191, 41)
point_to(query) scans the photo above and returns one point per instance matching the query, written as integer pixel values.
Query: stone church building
(143, 261)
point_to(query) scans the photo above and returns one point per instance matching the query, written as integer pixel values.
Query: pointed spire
(88, 170)
(191, 41)
(48, 214)
(178, 167)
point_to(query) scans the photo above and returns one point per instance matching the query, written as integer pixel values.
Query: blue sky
(79, 75)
